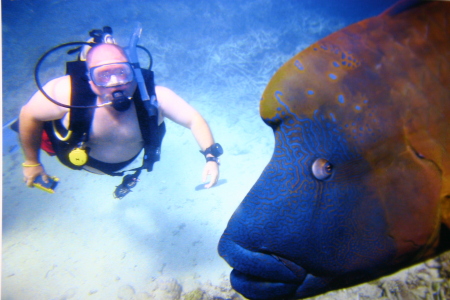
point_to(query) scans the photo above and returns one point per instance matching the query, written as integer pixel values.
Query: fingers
(44, 177)
(211, 183)
(29, 181)
(211, 169)
(31, 173)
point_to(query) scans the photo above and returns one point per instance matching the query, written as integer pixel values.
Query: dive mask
(111, 75)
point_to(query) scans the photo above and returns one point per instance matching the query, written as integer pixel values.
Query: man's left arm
(203, 135)
(179, 111)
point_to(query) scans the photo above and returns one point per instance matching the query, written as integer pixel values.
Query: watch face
(217, 150)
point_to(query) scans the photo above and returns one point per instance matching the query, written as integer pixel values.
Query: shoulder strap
(152, 133)
(80, 119)
(81, 95)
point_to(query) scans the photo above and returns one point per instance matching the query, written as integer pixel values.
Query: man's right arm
(32, 117)
(30, 133)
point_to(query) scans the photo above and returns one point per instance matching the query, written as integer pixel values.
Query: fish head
(344, 197)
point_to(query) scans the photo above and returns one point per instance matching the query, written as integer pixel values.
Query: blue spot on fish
(357, 107)
(299, 65)
(336, 64)
(332, 117)
(310, 92)
(332, 76)
(277, 95)
(341, 99)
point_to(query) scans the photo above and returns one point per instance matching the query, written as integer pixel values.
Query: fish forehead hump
(385, 81)
(381, 61)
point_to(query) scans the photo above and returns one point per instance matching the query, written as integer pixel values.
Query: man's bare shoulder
(164, 93)
(174, 107)
(58, 89)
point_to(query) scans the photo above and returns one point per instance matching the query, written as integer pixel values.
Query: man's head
(104, 53)
(109, 71)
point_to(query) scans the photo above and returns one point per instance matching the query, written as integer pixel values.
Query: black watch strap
(212, 158)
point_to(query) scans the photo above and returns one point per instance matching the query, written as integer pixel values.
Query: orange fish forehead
(386, 85)
(314, 79)
(328, 82)
(376, 75)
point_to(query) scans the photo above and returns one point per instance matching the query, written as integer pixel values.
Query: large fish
(359, 182)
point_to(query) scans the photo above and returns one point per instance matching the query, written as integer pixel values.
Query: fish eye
(322, 169)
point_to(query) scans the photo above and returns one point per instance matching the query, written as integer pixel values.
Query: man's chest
(111, 127)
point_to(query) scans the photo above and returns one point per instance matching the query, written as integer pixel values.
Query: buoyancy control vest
(80, 120)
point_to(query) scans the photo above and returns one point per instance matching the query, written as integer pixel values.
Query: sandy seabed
(159, 242)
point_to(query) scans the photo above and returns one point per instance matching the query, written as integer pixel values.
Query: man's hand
(31, 173)
(211, 169)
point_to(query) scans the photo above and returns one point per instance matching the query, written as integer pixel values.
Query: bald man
(115, 137)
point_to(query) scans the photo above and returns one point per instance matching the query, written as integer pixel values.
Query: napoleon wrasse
(359, 183)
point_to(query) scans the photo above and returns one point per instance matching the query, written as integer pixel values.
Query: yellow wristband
(35, 165)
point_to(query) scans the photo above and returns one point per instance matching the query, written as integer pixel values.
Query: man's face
(110, 72)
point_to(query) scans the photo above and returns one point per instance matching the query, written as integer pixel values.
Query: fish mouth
(261, 275)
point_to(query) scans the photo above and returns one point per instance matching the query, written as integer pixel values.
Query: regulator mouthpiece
(120, 101)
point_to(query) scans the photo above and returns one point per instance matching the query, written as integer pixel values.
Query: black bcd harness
(80, 120)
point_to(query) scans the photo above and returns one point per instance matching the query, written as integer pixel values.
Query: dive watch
(215, 150)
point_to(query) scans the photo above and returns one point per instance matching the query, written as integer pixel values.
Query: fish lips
(259, 275)
(257, 288)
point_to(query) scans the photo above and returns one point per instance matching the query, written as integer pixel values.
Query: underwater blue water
(218, 55)
(181, 34)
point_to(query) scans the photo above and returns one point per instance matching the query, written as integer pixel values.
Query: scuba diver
(106, 116)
